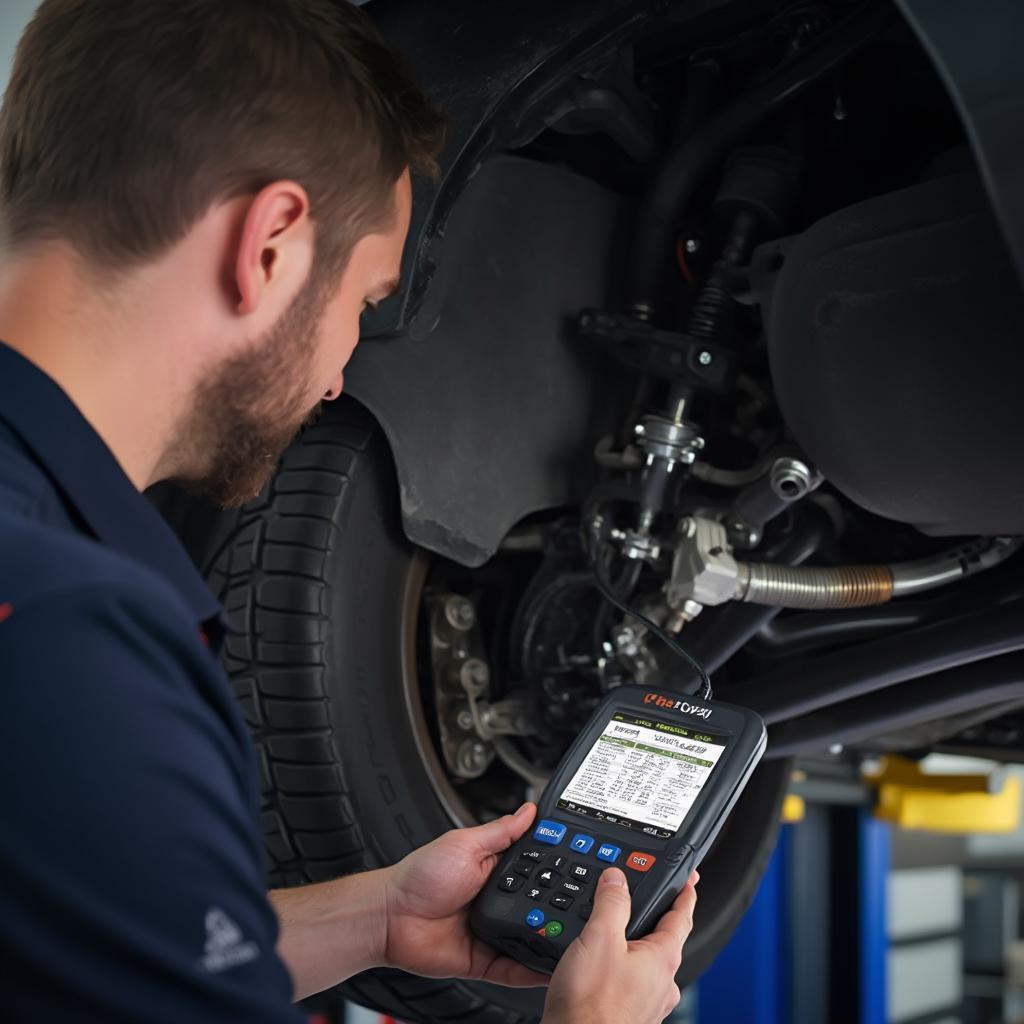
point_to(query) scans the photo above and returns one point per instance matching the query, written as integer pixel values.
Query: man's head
(269, 138)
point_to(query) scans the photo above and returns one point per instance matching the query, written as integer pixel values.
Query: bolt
(472, 757)
(704, 357)
(479, 754)
(474, 675)
(460, 613)
(692, 245)
(675, 622)
(464, 720)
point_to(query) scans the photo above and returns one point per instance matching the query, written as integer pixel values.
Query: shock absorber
(711, 315)
(759, 186)
(666, 443)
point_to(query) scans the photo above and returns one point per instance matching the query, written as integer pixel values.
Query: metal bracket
(703, 569)
(666, 354)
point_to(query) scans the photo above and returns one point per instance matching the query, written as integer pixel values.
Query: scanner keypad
(560, 885)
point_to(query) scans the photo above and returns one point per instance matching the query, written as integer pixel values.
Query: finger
(506, 971)
(501, 833)
(675, 926)
(611, 905)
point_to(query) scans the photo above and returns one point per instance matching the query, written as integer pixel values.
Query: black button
(547, 877)
(500, 906)
(562, 902)
(522, 869)
(584, 911)
(535, 855)
(558, 863)
(572, 887)
(580, 872)
(509, 883)
(535, 893)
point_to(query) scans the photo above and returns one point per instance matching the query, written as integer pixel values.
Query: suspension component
(665, 354)
(789, 478)
(666, 443)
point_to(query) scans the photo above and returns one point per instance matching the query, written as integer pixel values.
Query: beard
(253, 405)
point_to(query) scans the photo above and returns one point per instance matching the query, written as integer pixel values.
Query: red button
(640, 861)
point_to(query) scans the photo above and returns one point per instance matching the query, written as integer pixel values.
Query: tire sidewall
(370, 569)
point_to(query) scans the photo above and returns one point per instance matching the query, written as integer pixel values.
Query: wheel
(325, 594)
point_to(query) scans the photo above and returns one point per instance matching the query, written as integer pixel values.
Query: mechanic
(199, 198)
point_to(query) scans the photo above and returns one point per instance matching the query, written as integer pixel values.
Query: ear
(275, 250)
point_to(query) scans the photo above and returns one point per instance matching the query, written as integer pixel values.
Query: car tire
(317, 579)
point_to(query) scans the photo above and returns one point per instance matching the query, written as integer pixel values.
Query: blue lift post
(795, 936)
(747, 982)
(875, 858)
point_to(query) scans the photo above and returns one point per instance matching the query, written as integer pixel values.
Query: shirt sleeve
(130, 858)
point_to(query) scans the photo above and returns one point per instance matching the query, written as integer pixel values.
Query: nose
(335, 389)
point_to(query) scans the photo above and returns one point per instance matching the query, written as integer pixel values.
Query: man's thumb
(500, 834)
(611, 904)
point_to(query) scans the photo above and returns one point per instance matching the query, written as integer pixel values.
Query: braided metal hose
(787, 586)
(856, 586)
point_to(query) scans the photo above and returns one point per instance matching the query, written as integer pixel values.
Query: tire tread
(269, 572)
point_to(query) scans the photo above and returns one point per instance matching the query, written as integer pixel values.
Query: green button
(553, 929)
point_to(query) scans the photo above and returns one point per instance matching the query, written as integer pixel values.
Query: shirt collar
(90, 479)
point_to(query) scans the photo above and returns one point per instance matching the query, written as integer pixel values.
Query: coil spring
(712, 312)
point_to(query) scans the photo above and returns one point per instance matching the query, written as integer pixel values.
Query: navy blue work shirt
(131, 878)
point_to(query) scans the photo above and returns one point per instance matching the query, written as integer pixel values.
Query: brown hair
(125, 120)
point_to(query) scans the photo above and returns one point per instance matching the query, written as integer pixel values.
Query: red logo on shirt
(5, 610)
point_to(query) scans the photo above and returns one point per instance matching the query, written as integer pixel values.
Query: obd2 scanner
(645, 787)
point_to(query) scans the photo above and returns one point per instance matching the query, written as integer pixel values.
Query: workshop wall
(14, 16)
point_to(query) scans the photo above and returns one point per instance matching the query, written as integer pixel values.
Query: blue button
(581, 843)
(535, 918)
(549, 832)
(608, 852)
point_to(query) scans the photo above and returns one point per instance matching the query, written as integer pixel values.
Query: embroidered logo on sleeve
(224, 944)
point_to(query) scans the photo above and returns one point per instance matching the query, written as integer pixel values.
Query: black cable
(612, 598)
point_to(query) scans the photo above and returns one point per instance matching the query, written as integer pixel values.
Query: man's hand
(603, 979)
(428, 898)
